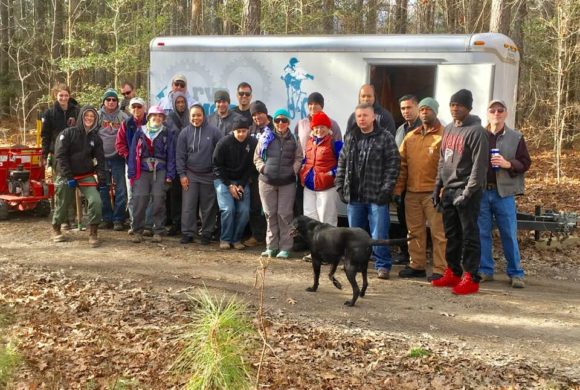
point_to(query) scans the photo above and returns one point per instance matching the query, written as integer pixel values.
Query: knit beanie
(257, 107)
(241, 122)
(320, 119)
(281, 112)
(316, 97)
(463, 97)
(110, 93)
(431, 103)
(221, 95)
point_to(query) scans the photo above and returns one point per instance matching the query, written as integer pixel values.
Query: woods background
(92, 44)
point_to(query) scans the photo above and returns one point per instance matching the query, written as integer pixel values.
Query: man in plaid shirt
(368, 167)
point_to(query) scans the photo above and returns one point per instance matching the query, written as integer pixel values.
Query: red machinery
(22, 184)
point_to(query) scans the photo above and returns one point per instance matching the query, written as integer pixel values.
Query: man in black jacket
(233, 166)
(79, 156)
(383, 117)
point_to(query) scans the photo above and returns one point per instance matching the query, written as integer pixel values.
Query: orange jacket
(318, 170)
(419, 160)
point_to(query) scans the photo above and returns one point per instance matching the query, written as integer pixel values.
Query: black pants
(174, 210)
(402, 232)
(257, 219)
(461, 230)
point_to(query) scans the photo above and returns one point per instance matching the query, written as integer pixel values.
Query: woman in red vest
(319, 170)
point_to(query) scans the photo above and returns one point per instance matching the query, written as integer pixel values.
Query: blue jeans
(504, 211)
(235, 214)
(377, 218)
(115, 168)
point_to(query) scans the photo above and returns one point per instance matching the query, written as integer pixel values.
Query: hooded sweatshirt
(55, 120)
(79, 151)
(463, 157)
(175, 120)
(110, 125)
(194, 150)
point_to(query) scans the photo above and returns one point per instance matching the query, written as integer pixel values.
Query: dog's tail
(390, 241)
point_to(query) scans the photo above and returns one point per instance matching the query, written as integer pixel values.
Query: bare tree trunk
(371, 17)
(520, 10)
(499, 20)
(358, 25)
(196, 19)
(425, 11)
(328, 19)
(4, 59)
(252, 17)
(401, 16)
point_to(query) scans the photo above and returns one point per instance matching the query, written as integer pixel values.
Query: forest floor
(114, 317)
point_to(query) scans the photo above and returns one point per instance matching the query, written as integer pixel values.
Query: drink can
(494, 152)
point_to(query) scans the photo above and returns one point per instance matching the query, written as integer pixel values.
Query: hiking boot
(118, 227)
(173, 231)
(147, 233)
(137, 238)
(486, 278)
(383, 273)
(251, 242)
(269, 253)
(105, 225)
(130, 231)
(57, 235)
(224, 245)
(156, 238)
(409, 272)
(449, 279)
(401, 259)
(204, 240)
(186, 239)
(283, 255)
(466, 286)
(93, 239)
(308, 258)
(518, 282)
(434, 276)
(65, 226)
(238, 245)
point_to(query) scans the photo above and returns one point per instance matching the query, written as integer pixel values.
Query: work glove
(460, 201)
(341, 195)
(435, 198)
(398, 200)
(71, 183)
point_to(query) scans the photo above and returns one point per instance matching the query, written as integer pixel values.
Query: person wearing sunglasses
(505, 181)
(459, 185)
(278, 159)
(244, 96)
(111, 117)
(178, 84)
(128, 92)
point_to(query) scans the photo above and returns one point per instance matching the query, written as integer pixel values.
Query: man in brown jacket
(419, 159)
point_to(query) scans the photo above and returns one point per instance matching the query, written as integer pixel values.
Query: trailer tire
(42, 208)
(3, 211)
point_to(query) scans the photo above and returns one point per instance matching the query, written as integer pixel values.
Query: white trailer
(284, 70)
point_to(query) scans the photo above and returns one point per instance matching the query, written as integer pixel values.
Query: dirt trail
(539, 323)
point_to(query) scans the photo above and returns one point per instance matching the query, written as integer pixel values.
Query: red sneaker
(467, 286)
(449, 279)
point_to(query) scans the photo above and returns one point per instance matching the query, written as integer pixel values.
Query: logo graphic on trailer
(296, 98)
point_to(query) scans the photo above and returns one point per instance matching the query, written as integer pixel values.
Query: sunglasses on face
(126, 93)
(110, 100)
(248, 94)
(179, 84)
(135, 106)
(494, 110)
(281, 120)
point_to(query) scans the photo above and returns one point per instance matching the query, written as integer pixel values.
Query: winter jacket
(224, 124)
(56, 120)
(246, 113)
(372, 177)
(464, 156)
(405, 129)
(125, 135)
(194, 149)
(383, 118)
(233, 160)
(302, 131)
(320, 159)
(146, 154)
(110, 125)
(175, 120)
(280, 161)
(419, 160)
(79, 152)
(167, 101)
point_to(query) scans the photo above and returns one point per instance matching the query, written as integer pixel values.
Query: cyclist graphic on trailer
(293, 75)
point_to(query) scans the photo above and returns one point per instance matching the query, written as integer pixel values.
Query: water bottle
(494, 152)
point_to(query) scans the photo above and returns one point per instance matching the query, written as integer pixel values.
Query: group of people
(172, 165)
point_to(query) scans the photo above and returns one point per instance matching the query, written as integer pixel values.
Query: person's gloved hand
(341, 195)
(460, 201)
(384, 198)
(436, 197)
(71, 183)
(398, 200)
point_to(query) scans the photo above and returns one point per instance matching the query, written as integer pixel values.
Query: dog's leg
(365, 281)
(350, 271)
(332, 278)
(316, 263)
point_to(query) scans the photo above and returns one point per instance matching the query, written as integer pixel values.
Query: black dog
(329, 244)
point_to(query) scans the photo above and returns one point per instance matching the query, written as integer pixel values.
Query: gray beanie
(431, 103)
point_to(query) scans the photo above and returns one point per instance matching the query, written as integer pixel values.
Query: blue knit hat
(281, 112)
(110, 93)
(431, 103)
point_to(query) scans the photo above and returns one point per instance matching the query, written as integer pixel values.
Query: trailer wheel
(3, 211)
(42, 208)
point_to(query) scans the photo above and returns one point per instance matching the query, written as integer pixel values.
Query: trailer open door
(478, 78)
